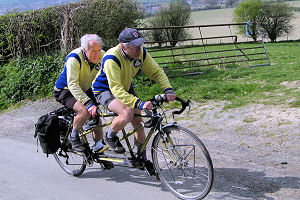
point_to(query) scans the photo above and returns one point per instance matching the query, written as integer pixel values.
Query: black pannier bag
(49, 128)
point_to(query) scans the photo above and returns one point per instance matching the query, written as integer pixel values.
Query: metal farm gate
(206, 45)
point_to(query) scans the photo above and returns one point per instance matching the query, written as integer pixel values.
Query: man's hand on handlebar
(170, 97)
(93, 110)
(148, 105)
(158, 100)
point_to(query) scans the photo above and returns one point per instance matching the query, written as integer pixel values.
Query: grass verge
(274, 84)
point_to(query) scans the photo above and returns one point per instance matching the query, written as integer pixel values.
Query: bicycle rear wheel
(71, 162)
(182, 163)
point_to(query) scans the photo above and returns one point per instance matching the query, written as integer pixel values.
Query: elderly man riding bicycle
(114, 90)
(73, 87)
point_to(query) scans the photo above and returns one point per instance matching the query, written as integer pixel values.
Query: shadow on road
(123, 175)
(229, 183)
(239, 183)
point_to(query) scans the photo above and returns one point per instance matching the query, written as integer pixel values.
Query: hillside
(29, 4)
(25, 5)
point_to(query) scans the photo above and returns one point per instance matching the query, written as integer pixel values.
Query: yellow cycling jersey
(118, 71)
(78, 75)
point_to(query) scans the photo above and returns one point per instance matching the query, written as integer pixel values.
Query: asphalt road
(253, 160)
(28, 175)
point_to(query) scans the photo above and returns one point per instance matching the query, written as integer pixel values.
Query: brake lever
(149, 113)
(148, 123)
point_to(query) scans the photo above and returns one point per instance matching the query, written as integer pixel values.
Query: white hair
(85, 40)
(125, 45)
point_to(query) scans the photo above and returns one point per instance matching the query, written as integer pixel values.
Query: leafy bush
(29, 33)
(177, 14)
(29, 78)
(60, 28)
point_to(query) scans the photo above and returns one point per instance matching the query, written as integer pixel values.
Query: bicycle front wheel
(182, 163)
(71, 162)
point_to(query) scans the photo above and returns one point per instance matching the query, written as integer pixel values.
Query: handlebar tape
(184, 104)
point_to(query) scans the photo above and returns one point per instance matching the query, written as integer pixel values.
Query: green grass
(236, 85)
(242, 85)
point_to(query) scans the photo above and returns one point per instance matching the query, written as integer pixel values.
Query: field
(223, 16)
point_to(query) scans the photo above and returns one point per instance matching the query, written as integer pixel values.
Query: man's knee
(83, 113)
(127, 115)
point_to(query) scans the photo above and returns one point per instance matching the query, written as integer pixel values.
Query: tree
(276, 19)
(68, 29)
(178, 14)
(158, 35)
(249, 10)
(107, 18)
(273, 17)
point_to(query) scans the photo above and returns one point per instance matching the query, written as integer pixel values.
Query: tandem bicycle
(180, 159)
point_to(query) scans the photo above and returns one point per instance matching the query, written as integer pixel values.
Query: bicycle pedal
(137, 163)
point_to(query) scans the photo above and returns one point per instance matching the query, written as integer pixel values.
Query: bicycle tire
(185, 167)
(71, 162)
